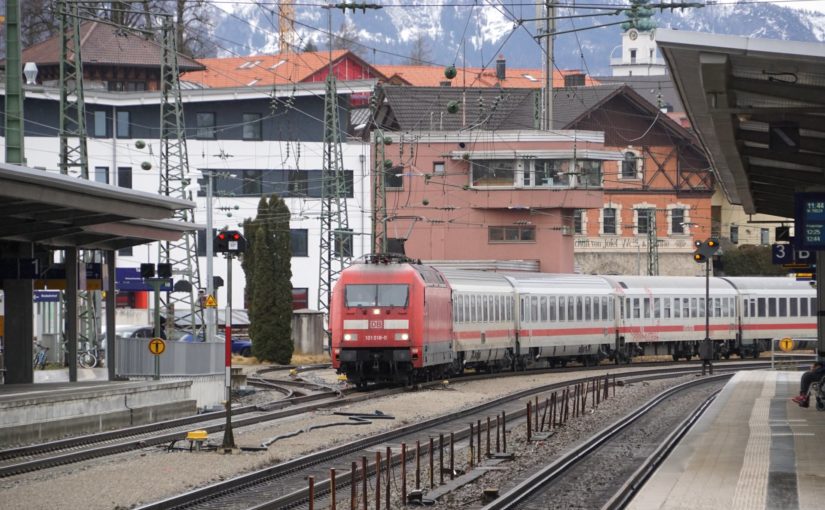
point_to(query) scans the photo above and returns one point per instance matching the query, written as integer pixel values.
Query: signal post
(230, 242)
(704, 252)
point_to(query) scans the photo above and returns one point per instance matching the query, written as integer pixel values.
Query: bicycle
(40, 356)
(85, 358)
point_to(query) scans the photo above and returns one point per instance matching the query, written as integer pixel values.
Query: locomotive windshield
(377, 295)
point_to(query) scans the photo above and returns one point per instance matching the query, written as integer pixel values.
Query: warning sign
(786, 344)
(157, 346)
(210, 302)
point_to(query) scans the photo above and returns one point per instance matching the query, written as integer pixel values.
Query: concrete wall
(308, 333)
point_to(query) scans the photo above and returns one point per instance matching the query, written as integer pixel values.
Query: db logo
(376, 324)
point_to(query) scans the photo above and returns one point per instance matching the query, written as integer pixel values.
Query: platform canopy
(59, 211)
(758, 107)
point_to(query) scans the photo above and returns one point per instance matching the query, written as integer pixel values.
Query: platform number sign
(786, 344)
(157, 346)
(809, 220)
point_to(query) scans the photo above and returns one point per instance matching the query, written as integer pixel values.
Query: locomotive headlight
(348, 337)
(376, 311)
(402, 336)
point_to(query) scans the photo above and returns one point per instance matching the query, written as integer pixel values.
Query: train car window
(646, 307)
(657, 308)
(605, 308)
(636, 309)
(813, 305)
(745, 308)
(522, 312)
(552, 304)
(571, 305)
(762, 307)
(588, 308)
(562, 309)
(485, 310)
(377, 295)
(579, 315)
(666, 308)
(509, 308)
(701, 309)
(803, 307)
(677, 307)
(610, 305)
(783, 307)
(693, 305)
(543, 308)
(794, 306)
(725, 307)
(772, 307)
(717, 307)
(596, 309)
(685, 308)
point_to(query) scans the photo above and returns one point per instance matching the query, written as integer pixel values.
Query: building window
(590, 173)
(516, 234)
(100, 128)
(205, 122)
(552, 172)
(102, 174)
(629, 166)
(136, 86)
(609, 221)
(124, 127)
(343, 243)
(632, 56)
(438, 167)
(201, 241)
(494, 172)
(125, 252)
(298, 183)
(578, 221)
(298, 240)
(734, 234)
(124, 177)
(677, 221)
(300, 298)
(251, 126)
(764, 236)
(643, 220)
(394, 177)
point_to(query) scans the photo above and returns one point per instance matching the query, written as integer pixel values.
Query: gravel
(134, 478)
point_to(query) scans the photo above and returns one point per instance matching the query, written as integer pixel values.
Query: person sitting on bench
(814, 374)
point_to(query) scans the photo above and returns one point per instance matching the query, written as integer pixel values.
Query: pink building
(495, 193)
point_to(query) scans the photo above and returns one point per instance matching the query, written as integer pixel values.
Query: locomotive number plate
(379, 324)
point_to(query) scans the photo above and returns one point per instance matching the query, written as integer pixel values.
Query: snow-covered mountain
(475, 34)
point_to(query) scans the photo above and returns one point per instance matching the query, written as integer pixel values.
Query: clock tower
(639, 55)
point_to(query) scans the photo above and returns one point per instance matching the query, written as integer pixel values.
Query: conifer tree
(267, 265)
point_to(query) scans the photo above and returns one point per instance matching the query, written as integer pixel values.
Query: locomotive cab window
(377, 295)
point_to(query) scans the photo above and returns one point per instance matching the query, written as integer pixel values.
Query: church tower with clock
(639, 56)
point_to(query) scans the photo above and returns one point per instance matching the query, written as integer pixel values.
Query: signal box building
(467, 177)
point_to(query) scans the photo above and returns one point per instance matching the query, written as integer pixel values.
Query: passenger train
(395, 320)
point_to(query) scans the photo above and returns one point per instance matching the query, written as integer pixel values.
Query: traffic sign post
(157, 346)
(705, 250)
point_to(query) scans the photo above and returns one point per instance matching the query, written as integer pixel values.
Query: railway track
(571, 469)
(67, 451)
(285, 485)
(71, 450)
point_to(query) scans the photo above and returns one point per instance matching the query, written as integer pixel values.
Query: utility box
(308, 331)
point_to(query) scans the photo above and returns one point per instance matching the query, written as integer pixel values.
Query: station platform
(752, 449)
(52, 410)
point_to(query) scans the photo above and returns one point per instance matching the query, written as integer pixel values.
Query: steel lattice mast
(72, 104)
(174, 179)
(334, 219)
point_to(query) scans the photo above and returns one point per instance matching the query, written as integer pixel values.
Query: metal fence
(179, 358)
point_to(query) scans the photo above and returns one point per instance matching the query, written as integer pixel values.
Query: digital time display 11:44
(809, 223)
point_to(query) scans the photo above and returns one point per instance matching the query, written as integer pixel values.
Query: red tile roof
(103, 44)
(279, 69)
(431, 76)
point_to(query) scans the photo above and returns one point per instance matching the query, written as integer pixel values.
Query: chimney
(501, 68)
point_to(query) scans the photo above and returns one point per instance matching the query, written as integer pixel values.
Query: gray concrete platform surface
(51, 410)
(753, 449)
